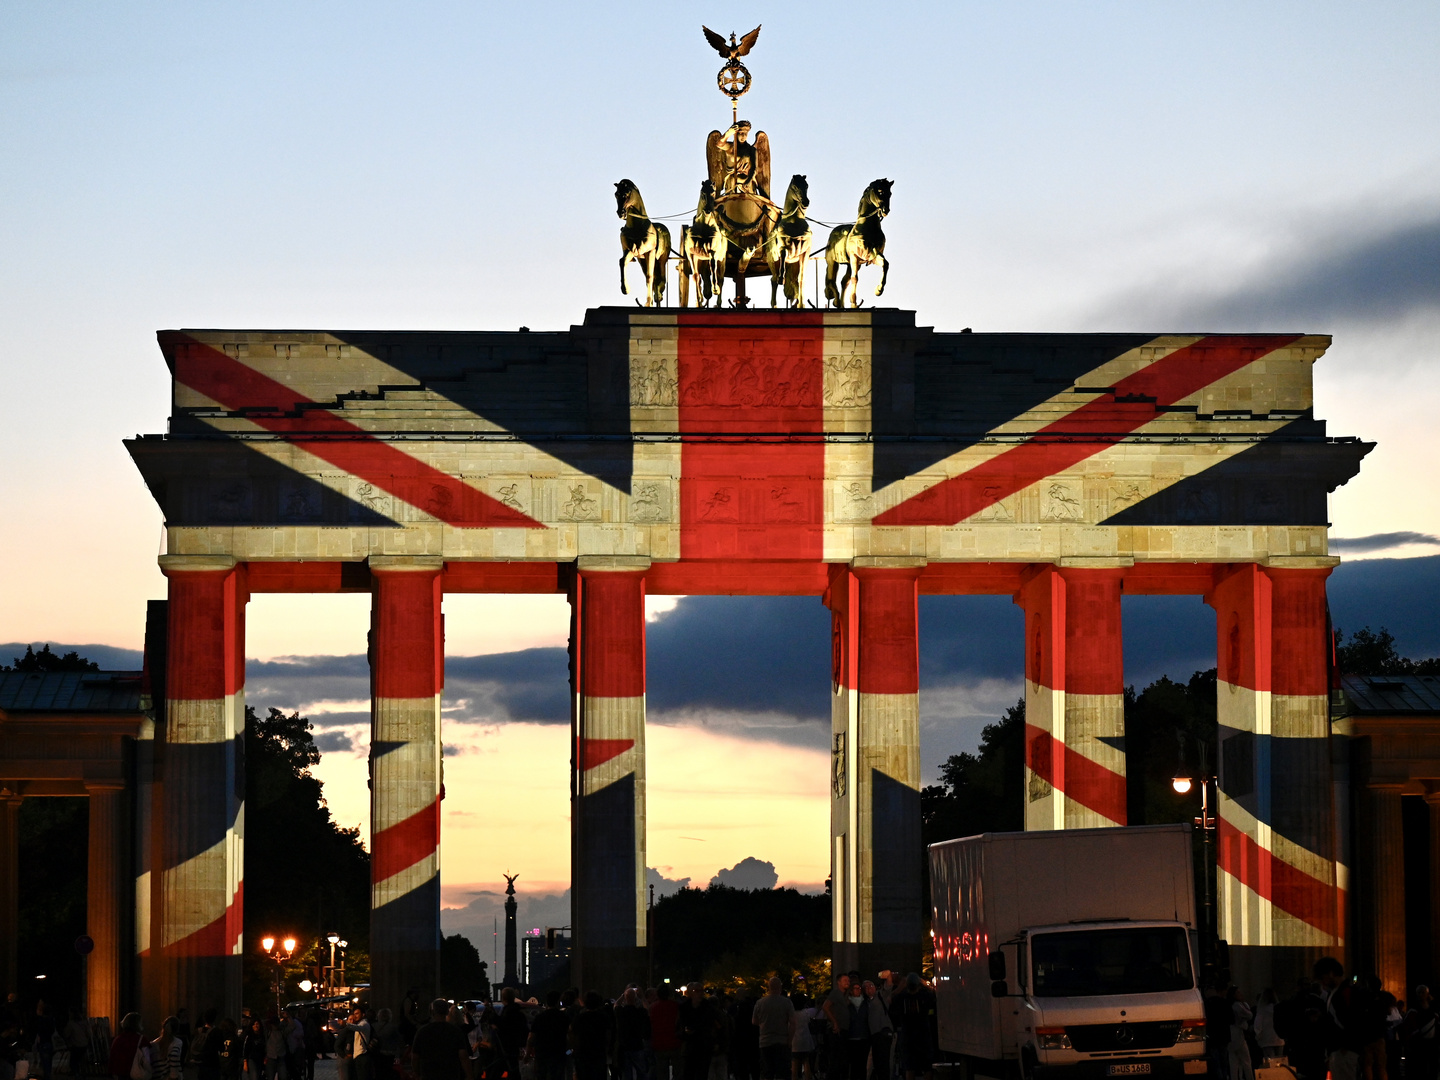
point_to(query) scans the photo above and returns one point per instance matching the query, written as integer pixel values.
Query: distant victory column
(511, 978)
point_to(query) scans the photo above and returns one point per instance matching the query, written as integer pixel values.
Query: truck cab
(1102, 999)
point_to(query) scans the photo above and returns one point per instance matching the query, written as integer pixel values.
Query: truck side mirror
(996, 962)
(998, 989)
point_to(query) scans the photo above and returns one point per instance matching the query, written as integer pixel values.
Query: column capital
(386, 563)
(10, 795)
(1432, 797)
(1087, 562)
(591, 564)
(888, 562)
(104, 787)
(1300, 562)
(196, 564)
(1386, 787)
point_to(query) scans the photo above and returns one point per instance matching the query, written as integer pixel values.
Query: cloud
(329, 741)
(748, 873)
(1360, 545)
(662, 885)
(1370, 271)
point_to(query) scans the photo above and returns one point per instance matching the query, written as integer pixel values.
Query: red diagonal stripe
(405, 843)
(1092, 786)
(595, 752)
(1290, 889)
(234, 385)
(216, 938)
(1084, 432)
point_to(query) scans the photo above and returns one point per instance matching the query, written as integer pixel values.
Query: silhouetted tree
(45, 660)
(462, 973)
(983, 791)
(304, 874)
(720, 933)
(1370, 652)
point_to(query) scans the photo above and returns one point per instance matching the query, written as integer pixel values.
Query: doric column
(104, 899)
(9, 886)
(1278, 904)
(1387, 885)
(1074, 699)
(607, 817)
(200, 809)
(407, 661)
(875, 816)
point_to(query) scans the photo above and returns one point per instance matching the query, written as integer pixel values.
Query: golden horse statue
(643, 240)
(859, 244)
(698, 264)
(787, 249)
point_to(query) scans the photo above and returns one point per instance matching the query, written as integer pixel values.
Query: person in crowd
(697, 1032)
(77, 1036)
(344, 1047)
(837, 1017)
(1219, 1020)
(857, 1030)
(593, 1032)
(882, 1031)
(167, 1058)
(253, 1050)
(441, 1050)
(912, 1012)
(182, 1027)
(664, 1034)
(362, 1065)
(41, 1037)
(774, 1016)
(389, 1046)
(205, 1050)
(744, 1042)
(1419, 1041)
(632, 1032)
(549, 1037)
(1300, 1025)
(802, 1037)
(129, 1040)
(276, 1042)
(228, 1049)
(314, 1024)
(1347, 1017)
(1265, 1035)
(513, 1030)
(1241, 1019)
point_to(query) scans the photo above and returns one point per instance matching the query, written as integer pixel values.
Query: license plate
(1141, 1069)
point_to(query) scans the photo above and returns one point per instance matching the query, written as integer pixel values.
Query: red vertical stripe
(1094, 652)
(1043, 599)
(408, 652)
(613, 659)
(756, 376)
(206, 646)
(1242, 603)
(889, 631)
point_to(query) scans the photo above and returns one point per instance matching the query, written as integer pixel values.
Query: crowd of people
(1330, 1026)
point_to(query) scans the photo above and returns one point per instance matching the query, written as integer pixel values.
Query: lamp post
(334, 939)
(279, 952)
(1182, 783)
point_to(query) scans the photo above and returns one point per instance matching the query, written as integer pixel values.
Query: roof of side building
(1392, 695)
(70, 691)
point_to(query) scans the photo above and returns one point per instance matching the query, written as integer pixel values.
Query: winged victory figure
(737, 165)
(731, 50)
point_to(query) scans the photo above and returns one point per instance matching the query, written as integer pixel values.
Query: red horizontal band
(595, 752)
(405, 843)
(237, 386)
(1312, 901)
(1092, 786)
(1094, 426)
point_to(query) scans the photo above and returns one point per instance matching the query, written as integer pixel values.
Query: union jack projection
(849, 454)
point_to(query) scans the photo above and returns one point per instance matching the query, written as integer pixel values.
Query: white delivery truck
(1068, 953)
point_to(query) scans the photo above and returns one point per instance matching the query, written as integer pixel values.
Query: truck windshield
(1128, 960)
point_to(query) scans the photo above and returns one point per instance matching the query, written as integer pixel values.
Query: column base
(872, 957)
(610, 970)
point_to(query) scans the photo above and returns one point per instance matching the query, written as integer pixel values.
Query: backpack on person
(140, 1066)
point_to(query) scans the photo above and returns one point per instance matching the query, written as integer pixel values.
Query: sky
(1106, 166)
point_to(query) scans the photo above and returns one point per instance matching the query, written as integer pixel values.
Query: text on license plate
(1130, 1070)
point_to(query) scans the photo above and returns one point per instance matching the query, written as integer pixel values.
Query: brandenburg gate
(847, 454)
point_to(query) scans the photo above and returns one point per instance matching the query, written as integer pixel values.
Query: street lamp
(1206, 823)
(284, 951)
